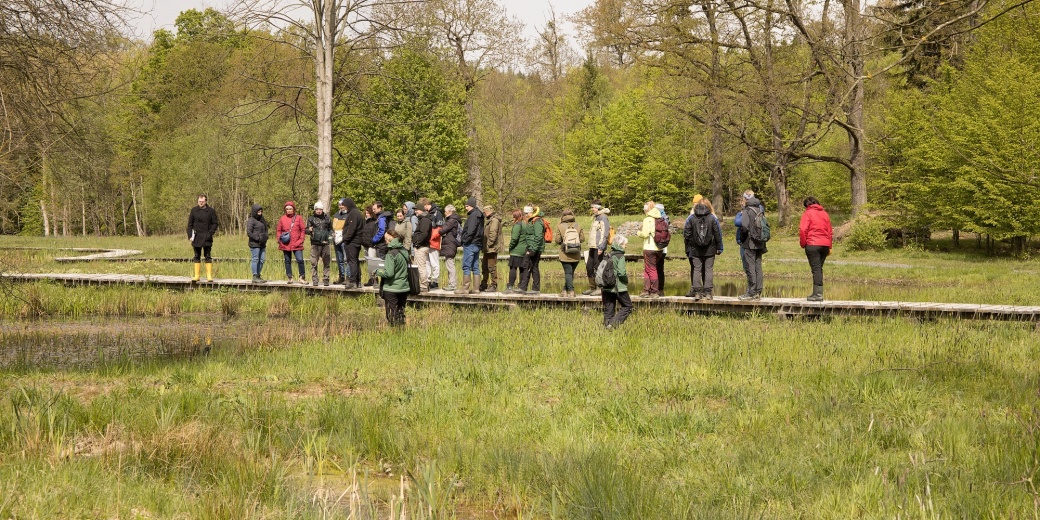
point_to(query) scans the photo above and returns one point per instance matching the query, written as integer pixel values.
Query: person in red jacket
(815, 235)
(290, 233)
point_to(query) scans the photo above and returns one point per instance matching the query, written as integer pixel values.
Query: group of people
(422, 234)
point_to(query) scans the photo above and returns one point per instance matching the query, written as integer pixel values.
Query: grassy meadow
(310, 407)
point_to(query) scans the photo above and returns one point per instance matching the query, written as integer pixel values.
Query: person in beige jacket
(492, 244)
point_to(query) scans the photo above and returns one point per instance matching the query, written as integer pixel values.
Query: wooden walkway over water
(721, 304)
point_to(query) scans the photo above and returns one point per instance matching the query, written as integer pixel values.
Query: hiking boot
(746, 296)
(435, 285)
(644, 294)
(532, 292)
(706, 296)
(325, 282)
(597, 292)
(693, 294)
(817, 294)
(565, 294)
(589, 291)
(339, 281)
(657, 294)
(303, 281)
(492, 288)
(258, 280)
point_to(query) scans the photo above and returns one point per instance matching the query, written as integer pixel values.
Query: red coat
(296, 234)
(815, 227)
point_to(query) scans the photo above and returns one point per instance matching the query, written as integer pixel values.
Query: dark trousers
(660, 273)
(592, 263)
(516, 264)
(530, 271)
(353, 268)
(651, 276)
(611, 301)
(489, 270)
(205, 250)
(568, 275)
(394, 304)
(817, 255)
(753, 259)
(702, 273)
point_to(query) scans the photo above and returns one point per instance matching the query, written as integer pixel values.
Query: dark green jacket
(517, 245)
(619, 269)
(533, 232)
(394, 274)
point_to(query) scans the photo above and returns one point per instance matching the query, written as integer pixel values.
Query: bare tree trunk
(783, 196)
(715, 168)
(137, 215)
(323, 61)
(854, 110)
(83, 208)
(472, 155)
(46, 221)
(122, 202)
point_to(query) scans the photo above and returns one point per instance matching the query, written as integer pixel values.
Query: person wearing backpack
(754, 230)
(599, 241)
(290, 232)
(319, 227)
(533, 231)
(492, 243)
(517, 250)
(739, 237)
(569, 236)
(816, 236)
(393, 278)
(702, 236)
(472, 242)
(612, 278)
(451, 236)
(664, 250)
(655, 237)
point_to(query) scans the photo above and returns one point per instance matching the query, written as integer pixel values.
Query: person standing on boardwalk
(702, 235)
(393, 278)
(403, 227)
(492, 243)
(319, 227)
(517, 250)
(533, 232)
(651, 251)
(472, 243)
(348, 249)
(202, 225)
(569, 236)
(291, 232)
(437, 219)
(368, 234)
(384, 221)
(256, 230)
(739, 237)
(451, 236)
(754, 230)
(816, 236)
(421, 244)
(617, 304)
(599, 241)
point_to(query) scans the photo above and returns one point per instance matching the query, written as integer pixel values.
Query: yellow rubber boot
(209, 271)
(198, 269)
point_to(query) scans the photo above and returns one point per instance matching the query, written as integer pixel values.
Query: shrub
(867, 233)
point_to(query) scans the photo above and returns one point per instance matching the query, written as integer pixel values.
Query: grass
(310, 407)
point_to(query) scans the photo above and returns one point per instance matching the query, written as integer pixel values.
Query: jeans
(259, 256)
(702, 273)
(611, 300)
(651, 259)
(753, 259)
(568, 275)
(288, 257)
(530, 270)
(817, 255)
(341, 259)
(471, 259)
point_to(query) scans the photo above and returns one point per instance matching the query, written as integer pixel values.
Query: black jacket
(202, 223)
(690, 231)
(256, 228)
(449, 239)
(354, 221)
(319, 228)
(422, 233)
(473, 231)
(368, 231)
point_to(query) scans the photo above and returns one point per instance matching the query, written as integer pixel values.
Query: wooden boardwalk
(721, 304)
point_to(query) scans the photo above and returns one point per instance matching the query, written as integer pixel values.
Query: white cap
(528, 210)
(319, 205)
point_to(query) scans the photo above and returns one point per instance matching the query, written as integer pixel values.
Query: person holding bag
(291, 231)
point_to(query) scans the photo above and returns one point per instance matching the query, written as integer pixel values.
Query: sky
(162, 13)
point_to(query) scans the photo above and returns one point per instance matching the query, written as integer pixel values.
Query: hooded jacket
(701, 211)
(533, 231)
(599, 233)
(348, 222)
(815, 227)
(741, 222)
(394, 273)
(319, 227)
(449, 238)
(492, 233)
(296, 226)
(617, 257)
(647, 231)
(517, 244)
(404, 233)
(421, 233)
(368, 231)
(383, 219)
(473, 230)
(568, 222)
(202, 225)
(256, 227)
(410, 214)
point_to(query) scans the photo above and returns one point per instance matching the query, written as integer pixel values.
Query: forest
(922, 113)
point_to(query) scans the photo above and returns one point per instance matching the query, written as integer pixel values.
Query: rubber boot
(198, 270)
(474, 287)
(209, 272)
(591, 289)
(817, 294)
(465, 285)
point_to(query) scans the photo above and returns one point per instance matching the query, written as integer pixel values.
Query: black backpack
(703, 234)
(606, 278)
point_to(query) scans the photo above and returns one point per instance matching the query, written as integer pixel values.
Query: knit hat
(318, 205)
(471, 202)
(289, 203)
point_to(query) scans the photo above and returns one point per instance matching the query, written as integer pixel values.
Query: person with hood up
(256, 230)
(319, 227)
(202, 225)
(745, 222)
(368, 233)
(702, 236)
(451, 233)
(393, 278)
(421, 244)
(816, 236)
(617, 304)
(291, 231)
(517, 250)
(599, 242)
(569, 236)
(347, 239)
(652, 255)
(533, 232)
(472, 243)
(492, 243)
(409, 214)
(738, 237)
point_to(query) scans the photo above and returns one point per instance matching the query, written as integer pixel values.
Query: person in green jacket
(533, 232)
(618, 294)
(393, 278)
(517, 250)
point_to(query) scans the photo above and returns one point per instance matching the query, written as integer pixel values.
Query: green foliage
(867, 234)
(30, 220)
(409, 139)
